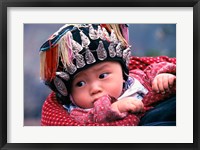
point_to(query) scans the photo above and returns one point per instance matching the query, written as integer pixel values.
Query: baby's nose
(95, 88)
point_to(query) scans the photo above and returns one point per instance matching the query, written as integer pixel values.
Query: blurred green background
(146, 40)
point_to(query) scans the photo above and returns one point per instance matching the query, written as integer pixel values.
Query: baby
(88, 64)
(99, 93)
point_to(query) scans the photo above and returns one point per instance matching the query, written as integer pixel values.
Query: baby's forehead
(97, 67)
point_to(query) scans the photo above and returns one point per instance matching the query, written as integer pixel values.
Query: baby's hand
(163, 82)
(128, 104)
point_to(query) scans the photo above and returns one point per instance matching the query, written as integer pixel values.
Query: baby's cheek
(116, 92)
(83, 100)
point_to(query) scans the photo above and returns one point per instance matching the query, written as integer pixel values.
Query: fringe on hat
(49, 60)
(65, 49)
(118, 31)
(49, 63)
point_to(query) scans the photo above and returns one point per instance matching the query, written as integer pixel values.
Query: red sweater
(142, 68)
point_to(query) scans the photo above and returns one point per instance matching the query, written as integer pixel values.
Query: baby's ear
(124, 84)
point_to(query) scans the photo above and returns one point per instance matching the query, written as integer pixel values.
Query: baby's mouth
(96, 99)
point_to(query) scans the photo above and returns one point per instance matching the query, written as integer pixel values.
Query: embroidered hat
(76, 47)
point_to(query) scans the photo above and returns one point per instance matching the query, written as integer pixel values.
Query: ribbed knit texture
(53, 113)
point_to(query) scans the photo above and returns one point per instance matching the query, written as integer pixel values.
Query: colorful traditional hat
(74, 48)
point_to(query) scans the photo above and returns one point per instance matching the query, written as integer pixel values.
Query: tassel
(125, 32)
(42, 64)
(68, 39)
(48, 63)
(118, 32)
(54, 62)
(106, 26)
(47, 68)
(65, 50)
(119, 35)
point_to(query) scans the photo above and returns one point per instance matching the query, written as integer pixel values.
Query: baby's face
(104, 78)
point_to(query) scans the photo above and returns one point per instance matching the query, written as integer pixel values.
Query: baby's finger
(155, 85)
(141, 106)
(137, 106)
(160, 84)
(165, 82)
(171, 81)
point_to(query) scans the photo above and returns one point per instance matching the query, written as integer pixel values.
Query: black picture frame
(4, 4)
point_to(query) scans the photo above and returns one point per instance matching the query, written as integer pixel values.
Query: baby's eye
(103, 75)
(80, 84)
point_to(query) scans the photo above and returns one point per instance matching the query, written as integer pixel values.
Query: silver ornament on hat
(101, 52)
(75, 45)
(76, 49)
(79, 58)
(80, 62)
(60, 86)
(111, 49)
(126, 55)
(71, 68)
(89, 57)
(85, 40)
(100, 33)
(85, 43)
(113, 37)
(63, 75)
(105, 35)
(119, 50)
(93, 33)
